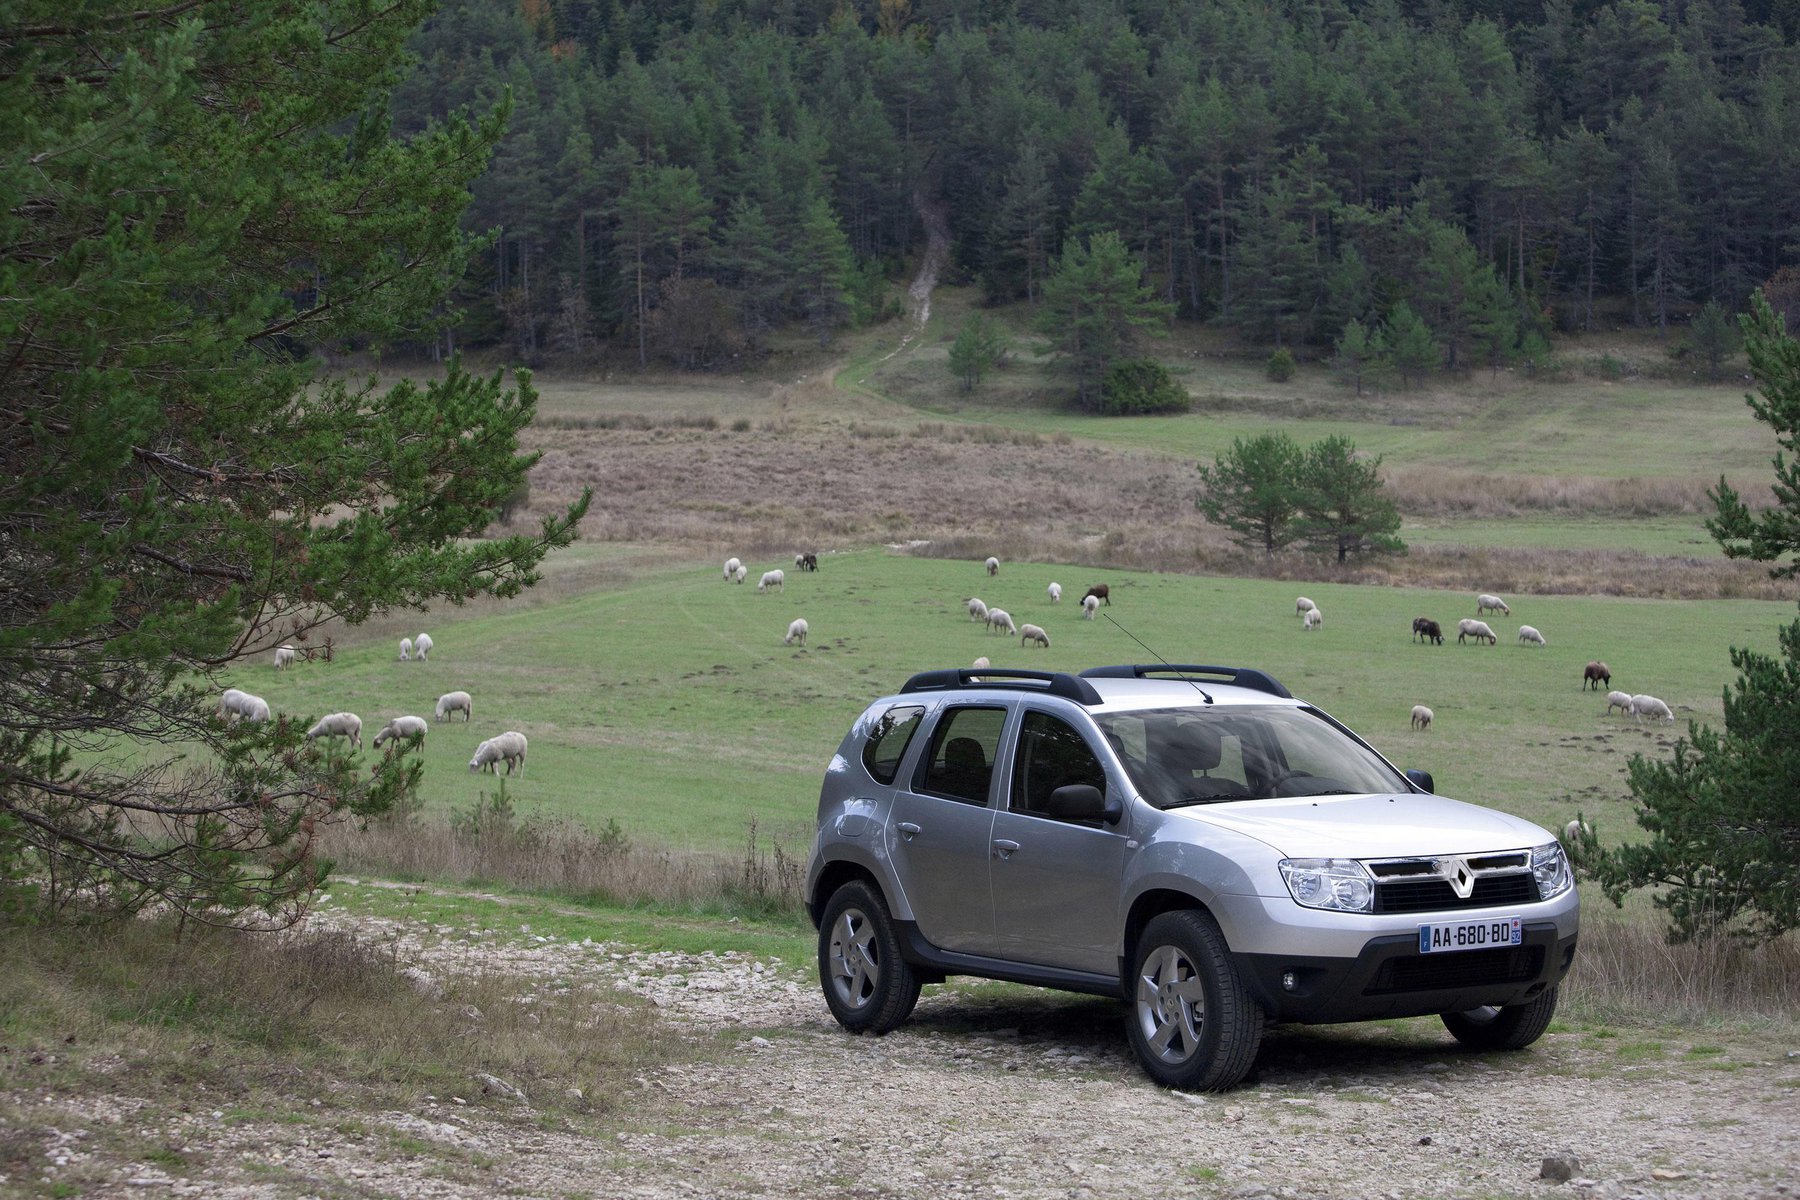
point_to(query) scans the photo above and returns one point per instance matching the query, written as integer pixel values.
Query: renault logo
(1456, 872)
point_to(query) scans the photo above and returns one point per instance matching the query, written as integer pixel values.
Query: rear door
(942, 827)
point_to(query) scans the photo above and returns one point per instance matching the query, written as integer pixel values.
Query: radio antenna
(1191, 682)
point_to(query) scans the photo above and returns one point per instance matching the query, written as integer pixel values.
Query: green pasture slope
(666, 701)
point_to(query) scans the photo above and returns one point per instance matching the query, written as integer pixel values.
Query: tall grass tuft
(1627, 971)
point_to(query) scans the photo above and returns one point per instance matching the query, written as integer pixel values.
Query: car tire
(868, 985)
(1509, 1027)
(1191, 1020)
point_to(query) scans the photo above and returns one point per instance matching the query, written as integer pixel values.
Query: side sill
(932, 961)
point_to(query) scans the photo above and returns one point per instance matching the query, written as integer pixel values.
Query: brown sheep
(1100, 591)
(1426, 629)
(1596, 673)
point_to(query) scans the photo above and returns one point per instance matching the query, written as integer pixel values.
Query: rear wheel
(868, 986)
(1506, 1027)
(1192, 1021)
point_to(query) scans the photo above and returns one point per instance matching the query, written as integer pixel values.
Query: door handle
(908, 830)
(1004, 847)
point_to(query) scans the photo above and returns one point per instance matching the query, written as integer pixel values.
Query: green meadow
(658, 696)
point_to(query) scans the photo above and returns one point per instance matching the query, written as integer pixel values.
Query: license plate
(1441, 936)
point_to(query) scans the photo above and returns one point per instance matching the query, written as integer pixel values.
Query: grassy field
(657, 696)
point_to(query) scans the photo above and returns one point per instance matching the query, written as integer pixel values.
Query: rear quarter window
(888, 740)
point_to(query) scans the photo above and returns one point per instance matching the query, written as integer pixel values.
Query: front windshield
(1179, 756)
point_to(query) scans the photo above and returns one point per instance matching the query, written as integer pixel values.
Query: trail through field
(932, 212)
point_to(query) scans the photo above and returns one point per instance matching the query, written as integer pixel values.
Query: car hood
(1396, 826)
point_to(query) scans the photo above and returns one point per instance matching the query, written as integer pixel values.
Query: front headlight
(1551, 867)
(1338, 884)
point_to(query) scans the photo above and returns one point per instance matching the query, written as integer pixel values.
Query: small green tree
(1712, 337)
(1411, 348)
(1724, 813)
(978, 349)
(1344, 506)
(1252, 489)
(1357, 349)
(1280, 367)
(1095, 305)
(1140, 387)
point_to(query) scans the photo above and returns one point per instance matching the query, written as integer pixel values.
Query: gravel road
(1005, 1092)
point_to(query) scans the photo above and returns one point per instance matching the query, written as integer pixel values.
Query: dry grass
(1626, 970)
(1443, 492)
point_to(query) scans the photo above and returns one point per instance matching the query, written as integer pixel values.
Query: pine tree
(1411, 347)
(1357, 349)
(190, 200)
(978, 348)
(1253, 490)
(1095, 304)
(1712, 337)
(1344, 506)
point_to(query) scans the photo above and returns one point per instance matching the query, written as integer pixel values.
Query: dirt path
(935, 216)
(1007, 1092)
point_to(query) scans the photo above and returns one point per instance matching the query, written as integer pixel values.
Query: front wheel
(868, 986)
(1507, 1027)
(1192, 1021)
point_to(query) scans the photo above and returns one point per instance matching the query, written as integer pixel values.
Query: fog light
(1289, 981)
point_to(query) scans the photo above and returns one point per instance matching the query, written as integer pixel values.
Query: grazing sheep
(1055, 590)
(400, 728)
(1469, 627)
(1596, 673)
(993, 565)
(1488, 603)
(1529, 634)
(743, 573)
(508, 747)
(284, 657)
(1427, 630)
(1089, 605)
(1421, 717)
(405, 649)
(999, 619)
(1618, 700)
(1302, 606)
(422, 646)
(773, 579)
(1029, 633)
(451, 702)
(1101, 591)
(731, 568)
(977, 609)
(982, 662)
(1574, 831)
(1312, 620)
(243, 706)
(340, 724)
(1649, 706)
(807, 561)
(797, 631)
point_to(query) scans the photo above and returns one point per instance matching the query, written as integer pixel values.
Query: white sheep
(405, 649)
(422, 646)
(1421, 717)
(993, 565)
(451, 702)
(1302, 606)
(797, 631)
(773, 579)
(1312, 620)
(1574, 831)
(1490, 603)
(1469, 627)
(982, 662)
(1055, 590)
(1649, 706)
(999, 619)
(243, 706)
(1618, 700)
(338, 724)
(978, 609)
(1529, 634)
(731, 567)
(284, 657)
(508, 747)
(1089, 606)
(400, 728)
(743, 573)
(1029, 633)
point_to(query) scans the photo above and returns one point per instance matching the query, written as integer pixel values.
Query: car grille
(1435, 895)
(1462, 969)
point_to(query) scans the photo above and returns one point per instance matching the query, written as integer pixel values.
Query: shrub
(1280, 366)
(1137, 386)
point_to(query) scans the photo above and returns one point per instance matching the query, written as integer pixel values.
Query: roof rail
(1244, 677)
(1055, 683)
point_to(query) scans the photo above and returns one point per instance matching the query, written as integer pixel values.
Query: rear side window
(889, 739)
(963, 749)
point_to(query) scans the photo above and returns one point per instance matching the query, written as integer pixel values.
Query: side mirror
(1084, 802)
(1422, 780)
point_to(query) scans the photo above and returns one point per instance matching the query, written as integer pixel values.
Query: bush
(1280, 366)
(1139, 386)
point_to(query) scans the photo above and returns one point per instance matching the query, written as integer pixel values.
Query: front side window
(1051, 754)
(887, 742)
(1183, 756)
(963, 749)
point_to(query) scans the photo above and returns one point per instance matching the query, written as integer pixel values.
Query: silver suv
(1190, 839)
